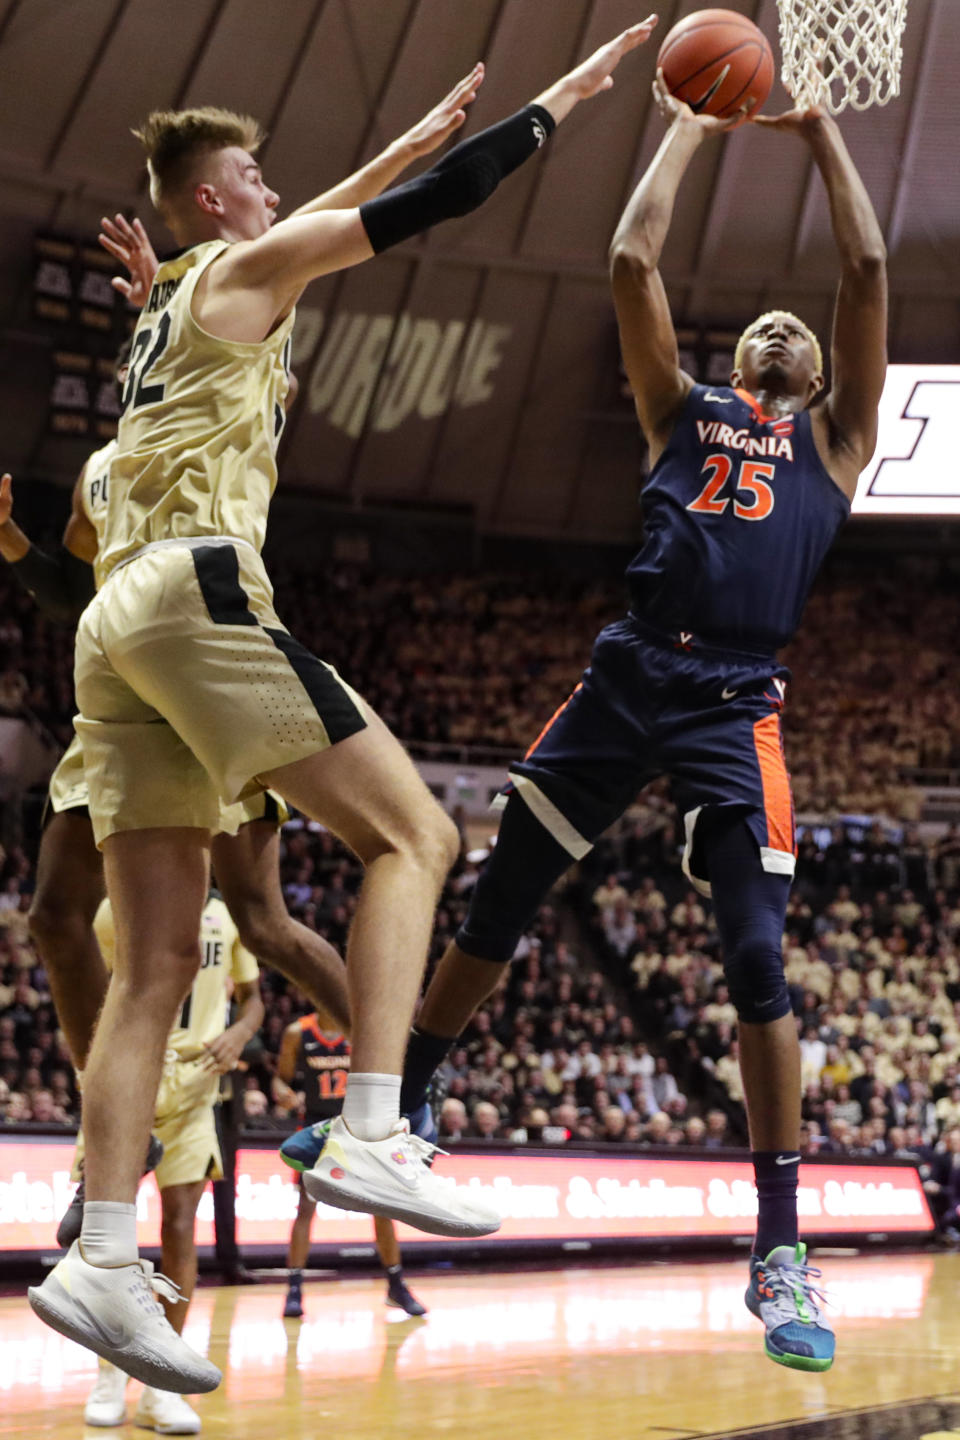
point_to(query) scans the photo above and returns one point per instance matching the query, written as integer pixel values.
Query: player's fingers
(638, 34)
(123, 224)
(119, 251)
(124, 286)
(469, 82)
(140, 233)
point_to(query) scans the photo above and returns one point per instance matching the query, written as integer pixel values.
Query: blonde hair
(769, 315)
(175, 139)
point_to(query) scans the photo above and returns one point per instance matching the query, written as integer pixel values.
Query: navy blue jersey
(739, 512)
(323, 1068)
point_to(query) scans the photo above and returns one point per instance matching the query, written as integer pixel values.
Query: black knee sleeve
(525, 864)
(758, 986)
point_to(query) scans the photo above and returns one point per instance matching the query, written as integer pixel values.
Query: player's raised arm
(270, 272)
(859, 342)
(421, 139)
(61, 583)
(647, 337)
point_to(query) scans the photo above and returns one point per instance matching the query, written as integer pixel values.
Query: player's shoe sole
(114, 1313)
(392, 1178)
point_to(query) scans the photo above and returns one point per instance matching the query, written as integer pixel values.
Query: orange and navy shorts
(650, 705)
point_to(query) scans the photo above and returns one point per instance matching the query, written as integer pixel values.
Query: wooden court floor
(651, 1352)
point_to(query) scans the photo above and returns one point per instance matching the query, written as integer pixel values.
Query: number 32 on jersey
(752, 497)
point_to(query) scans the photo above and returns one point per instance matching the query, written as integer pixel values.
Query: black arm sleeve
(61, 584)
(458, 183)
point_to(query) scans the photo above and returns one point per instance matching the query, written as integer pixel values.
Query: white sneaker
(107, 1405)
(114, 1313)
(392, 1177)
(166, 1413)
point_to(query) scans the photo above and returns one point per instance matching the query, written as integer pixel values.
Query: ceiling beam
(86, 80)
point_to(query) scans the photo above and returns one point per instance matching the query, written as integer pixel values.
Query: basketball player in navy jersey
(315, 1059)
(748, 487)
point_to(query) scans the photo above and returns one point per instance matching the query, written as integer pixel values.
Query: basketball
(714, 59)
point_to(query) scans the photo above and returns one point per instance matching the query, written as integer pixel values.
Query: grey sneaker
(114, 1312)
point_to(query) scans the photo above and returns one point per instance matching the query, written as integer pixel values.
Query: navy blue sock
(425, 1053)
(777, 1174)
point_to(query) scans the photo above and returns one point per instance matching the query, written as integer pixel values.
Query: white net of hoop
(842, 52)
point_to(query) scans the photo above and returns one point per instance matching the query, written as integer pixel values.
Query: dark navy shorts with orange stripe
(650, 705)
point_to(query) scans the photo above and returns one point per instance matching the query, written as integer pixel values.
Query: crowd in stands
(614, 1023)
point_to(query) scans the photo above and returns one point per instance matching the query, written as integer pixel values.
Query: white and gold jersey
(196, 445)
(94, 489)
(222, 958)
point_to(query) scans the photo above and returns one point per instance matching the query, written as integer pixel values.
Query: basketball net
(842, 52)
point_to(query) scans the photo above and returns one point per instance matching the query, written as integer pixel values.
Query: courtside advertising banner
(542, 1197)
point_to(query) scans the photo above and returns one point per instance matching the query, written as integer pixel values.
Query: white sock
(371, 1106)
(109, 1234)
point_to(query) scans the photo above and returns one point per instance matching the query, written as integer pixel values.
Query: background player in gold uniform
(200, 1048)
(315, 1060)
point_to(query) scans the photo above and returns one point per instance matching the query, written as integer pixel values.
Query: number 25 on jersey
(752, 496)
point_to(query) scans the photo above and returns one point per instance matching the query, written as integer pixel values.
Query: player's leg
(388, 1249)
(99, 1294)
(247, 871)
(162, 1410)
(526, 863)
(750, 908)
(298, 1252)
(367, 791)
(157, 958)
(178, 1209)
(69, 888)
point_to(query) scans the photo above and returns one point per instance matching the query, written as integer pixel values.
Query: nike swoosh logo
(787, 1159)
(409, 1179)
(113, 1335)
(728, 694)
(719, 399)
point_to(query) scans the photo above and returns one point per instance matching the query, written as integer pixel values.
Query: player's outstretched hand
(674, 110)
(430, 132)
(596, 73)
(130, 244)
(799, 121)
(6, 498)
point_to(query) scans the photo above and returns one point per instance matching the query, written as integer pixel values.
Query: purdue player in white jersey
(200, 1048)
(70, 883)
(190, 688)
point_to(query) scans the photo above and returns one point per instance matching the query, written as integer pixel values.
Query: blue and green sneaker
(781, 1293)
(303, 1148)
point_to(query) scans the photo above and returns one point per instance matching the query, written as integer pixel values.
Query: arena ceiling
(490, 345)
